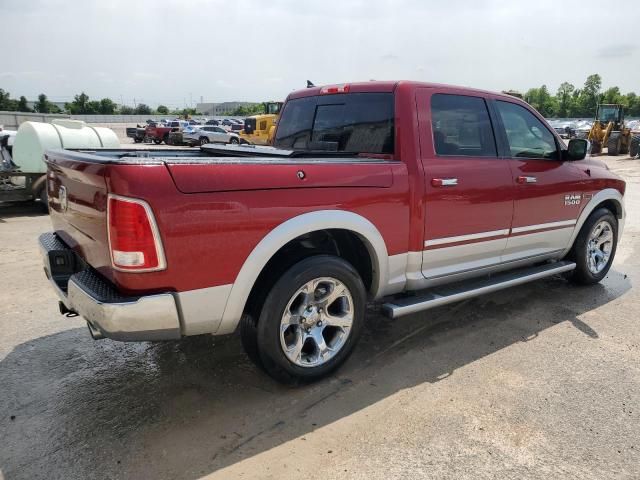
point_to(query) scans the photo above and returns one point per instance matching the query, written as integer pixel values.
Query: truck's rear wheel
(310, 320)
(594, 248)
(614, 144)
(157, 141)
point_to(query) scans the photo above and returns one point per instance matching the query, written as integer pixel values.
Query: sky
(177, 52)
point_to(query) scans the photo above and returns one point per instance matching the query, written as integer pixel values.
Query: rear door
(468, 188)
(548, 192)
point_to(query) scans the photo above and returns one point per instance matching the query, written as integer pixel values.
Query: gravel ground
(539, 381)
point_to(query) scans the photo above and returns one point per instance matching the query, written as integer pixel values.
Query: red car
(373, 190)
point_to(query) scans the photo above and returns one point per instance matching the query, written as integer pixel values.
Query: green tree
(92, 107)
(22, 105)
(541, 100)
(142, 109)
(107, 106)
(126, 110)
(632, 103)
(79, 104)
(5, 100)
(590, 95)
(162, 110)
(43, 105)
(564, 98)
(612, 95)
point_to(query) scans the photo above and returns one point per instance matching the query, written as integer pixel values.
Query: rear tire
(310, 321)
(593, 259)
(613, 145)
(204, 140)
(157, 141)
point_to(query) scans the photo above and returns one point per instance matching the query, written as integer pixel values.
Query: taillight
(344, 88)
(134, 239)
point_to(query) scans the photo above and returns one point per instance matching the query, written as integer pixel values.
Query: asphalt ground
(538, 381)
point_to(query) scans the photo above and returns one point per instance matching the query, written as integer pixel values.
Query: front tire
(594, 248)
(614, 143)
(310, 321)
(234, 141)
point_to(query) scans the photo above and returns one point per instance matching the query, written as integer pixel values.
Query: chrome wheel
(316, 322)
(599, 247)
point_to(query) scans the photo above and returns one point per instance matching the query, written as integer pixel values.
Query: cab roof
(389, 86)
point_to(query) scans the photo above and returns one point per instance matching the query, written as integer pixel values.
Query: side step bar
(462, 291)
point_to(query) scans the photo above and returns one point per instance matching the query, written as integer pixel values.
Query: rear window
(352, 122)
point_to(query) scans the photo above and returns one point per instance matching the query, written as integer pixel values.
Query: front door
(468, 189)
(549, 193)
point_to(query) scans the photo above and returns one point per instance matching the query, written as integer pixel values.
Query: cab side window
(461, 126)
(527, 136)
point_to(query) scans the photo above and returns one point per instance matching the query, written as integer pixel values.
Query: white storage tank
(34, 138)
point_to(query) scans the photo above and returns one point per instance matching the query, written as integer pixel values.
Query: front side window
(349, 122)
(527, 136)
(461, 126)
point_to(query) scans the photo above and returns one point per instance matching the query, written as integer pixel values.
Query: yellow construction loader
(259, 129)
(609, 131)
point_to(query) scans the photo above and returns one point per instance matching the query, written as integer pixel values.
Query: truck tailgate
(77, 204)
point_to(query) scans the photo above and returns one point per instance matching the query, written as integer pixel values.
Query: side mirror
(576, 150)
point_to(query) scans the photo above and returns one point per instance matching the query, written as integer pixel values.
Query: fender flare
(598, 198)
(291, 229)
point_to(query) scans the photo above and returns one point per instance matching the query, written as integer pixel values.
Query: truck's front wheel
(310, 321)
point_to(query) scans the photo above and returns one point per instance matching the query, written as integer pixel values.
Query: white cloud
(254, 50)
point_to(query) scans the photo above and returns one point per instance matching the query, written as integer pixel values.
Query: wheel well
(342, 243)
(611, 205)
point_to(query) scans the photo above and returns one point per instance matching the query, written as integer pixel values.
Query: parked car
(565, 131)
(202, 135)
(137, 133)
(476, 192)
(212, 122)
(158, 133)
(227, 122)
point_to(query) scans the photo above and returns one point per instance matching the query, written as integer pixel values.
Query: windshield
(608, 113)
(353, 122)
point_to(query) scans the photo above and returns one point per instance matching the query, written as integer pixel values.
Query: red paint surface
(211, 216)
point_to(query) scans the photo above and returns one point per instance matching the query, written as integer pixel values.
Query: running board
(443, 295)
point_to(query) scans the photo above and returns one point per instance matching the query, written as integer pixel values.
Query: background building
(212, 109)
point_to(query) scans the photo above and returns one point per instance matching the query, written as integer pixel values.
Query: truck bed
(203, 198)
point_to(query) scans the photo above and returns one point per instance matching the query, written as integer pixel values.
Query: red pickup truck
(372, 190)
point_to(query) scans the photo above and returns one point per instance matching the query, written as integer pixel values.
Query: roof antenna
(310, 84)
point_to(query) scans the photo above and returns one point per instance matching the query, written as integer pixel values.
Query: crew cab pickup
(370, 191)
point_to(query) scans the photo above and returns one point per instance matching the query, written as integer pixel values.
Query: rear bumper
(109, 314)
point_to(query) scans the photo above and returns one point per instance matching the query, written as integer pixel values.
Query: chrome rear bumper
(109, 314)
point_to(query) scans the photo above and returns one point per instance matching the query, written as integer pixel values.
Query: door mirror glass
(577, 149)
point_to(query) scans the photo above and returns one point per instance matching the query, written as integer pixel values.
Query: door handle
(524, 179)
(444, 182)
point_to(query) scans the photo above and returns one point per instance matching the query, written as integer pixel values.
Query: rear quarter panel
(208, 236)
